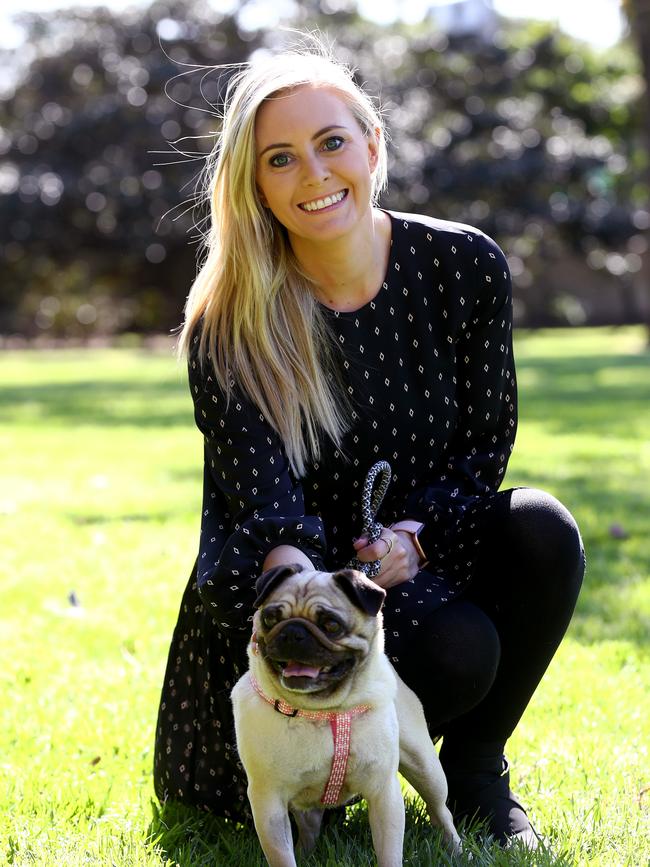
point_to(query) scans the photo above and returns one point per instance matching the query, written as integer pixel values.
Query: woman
(324, 334)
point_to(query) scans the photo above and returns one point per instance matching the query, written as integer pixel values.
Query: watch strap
(413, 528)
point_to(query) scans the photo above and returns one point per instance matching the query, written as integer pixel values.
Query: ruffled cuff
(227, 588)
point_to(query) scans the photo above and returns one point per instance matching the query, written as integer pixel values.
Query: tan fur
(288, 760)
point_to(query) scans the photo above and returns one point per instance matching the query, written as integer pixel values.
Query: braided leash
(370, 503)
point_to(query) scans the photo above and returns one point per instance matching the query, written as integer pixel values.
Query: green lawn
(100, 477)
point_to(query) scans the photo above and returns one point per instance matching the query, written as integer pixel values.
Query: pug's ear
(361, 591)
(271, 579)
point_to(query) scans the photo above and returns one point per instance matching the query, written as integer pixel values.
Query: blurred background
(535, 130)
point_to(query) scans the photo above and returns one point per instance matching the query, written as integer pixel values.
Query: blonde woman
(324, 334)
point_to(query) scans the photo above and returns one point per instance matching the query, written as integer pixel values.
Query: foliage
(534, 138)
(100, 485)
(88, 244)
(524, 132)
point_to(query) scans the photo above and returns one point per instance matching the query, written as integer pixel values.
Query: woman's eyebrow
(315, 136)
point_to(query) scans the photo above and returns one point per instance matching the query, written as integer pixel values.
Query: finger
(359, 543)
(378, 550)
(366, 555)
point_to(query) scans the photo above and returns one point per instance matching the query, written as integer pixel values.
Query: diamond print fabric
(428, 366)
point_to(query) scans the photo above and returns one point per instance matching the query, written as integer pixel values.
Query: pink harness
(341, 726)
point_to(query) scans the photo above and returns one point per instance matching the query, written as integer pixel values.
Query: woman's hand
(399, 560)
(287, 555)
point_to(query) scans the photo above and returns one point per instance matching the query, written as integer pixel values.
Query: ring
(389, 542)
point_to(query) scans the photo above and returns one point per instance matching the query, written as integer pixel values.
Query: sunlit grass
(100, 474)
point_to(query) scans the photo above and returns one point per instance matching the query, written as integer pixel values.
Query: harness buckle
(276, 705)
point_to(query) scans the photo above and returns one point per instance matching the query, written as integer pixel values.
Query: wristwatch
(413, 528)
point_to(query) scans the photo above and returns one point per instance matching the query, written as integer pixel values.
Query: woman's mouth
(324, 203)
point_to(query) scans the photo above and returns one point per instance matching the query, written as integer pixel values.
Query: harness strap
(341, 727)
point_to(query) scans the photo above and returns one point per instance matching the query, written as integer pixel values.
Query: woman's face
(314, 164)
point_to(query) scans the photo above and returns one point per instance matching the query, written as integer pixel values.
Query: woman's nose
(315, 171)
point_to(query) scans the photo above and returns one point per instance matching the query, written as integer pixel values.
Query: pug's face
(314, 629)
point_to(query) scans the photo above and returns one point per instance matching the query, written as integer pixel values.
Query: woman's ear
(373, 148)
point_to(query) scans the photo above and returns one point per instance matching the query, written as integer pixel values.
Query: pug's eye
(331, 625)
(270, 616)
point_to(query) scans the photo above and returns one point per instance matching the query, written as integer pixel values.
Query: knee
(462, 650)
(543, 527)
(452, 662)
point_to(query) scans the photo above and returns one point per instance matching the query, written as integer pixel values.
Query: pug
(321, 716)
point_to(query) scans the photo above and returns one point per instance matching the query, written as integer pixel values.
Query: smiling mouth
(301, 677)
(325, 202)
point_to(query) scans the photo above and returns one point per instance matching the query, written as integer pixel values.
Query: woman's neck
(348, 272)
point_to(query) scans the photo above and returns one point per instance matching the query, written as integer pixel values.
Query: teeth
(319, 204)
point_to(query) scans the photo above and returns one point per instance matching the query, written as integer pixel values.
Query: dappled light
(106, 119)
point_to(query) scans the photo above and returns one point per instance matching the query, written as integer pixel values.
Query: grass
(100, 476)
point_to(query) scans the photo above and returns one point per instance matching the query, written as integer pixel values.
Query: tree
(85, 238)
(529, 135)
(638, 13)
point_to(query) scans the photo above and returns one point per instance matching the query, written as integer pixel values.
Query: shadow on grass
(586, 394)
(191, 838)
(568, 395)
(572, 394)
(115, 403)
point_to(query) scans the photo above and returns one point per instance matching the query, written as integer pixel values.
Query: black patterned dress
(429, 370)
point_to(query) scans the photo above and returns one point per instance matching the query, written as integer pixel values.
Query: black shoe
(483, 794)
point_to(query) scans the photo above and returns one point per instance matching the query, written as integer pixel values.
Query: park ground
(100, 486)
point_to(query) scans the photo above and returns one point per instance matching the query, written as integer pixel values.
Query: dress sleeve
(486, 422)
(251, 500)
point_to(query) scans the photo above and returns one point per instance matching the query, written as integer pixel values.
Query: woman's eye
(333, 143)
(279, 161)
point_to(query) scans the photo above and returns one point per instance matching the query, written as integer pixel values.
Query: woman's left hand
(397, 555)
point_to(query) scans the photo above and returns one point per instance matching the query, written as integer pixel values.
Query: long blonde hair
(262, 328)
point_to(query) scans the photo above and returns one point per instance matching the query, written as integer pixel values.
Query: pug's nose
(294, 633)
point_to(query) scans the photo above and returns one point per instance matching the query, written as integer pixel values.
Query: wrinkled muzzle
(303, 657)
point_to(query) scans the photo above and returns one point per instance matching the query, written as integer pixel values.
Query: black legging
(477, 660)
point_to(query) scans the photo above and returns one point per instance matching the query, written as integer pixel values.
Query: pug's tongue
(298, 669)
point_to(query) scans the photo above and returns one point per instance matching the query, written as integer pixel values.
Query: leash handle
(371, 500)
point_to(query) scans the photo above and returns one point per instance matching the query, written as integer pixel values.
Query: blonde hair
(262, 328)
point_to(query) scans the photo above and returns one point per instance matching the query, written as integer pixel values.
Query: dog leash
(371, 500)
(340, 725)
